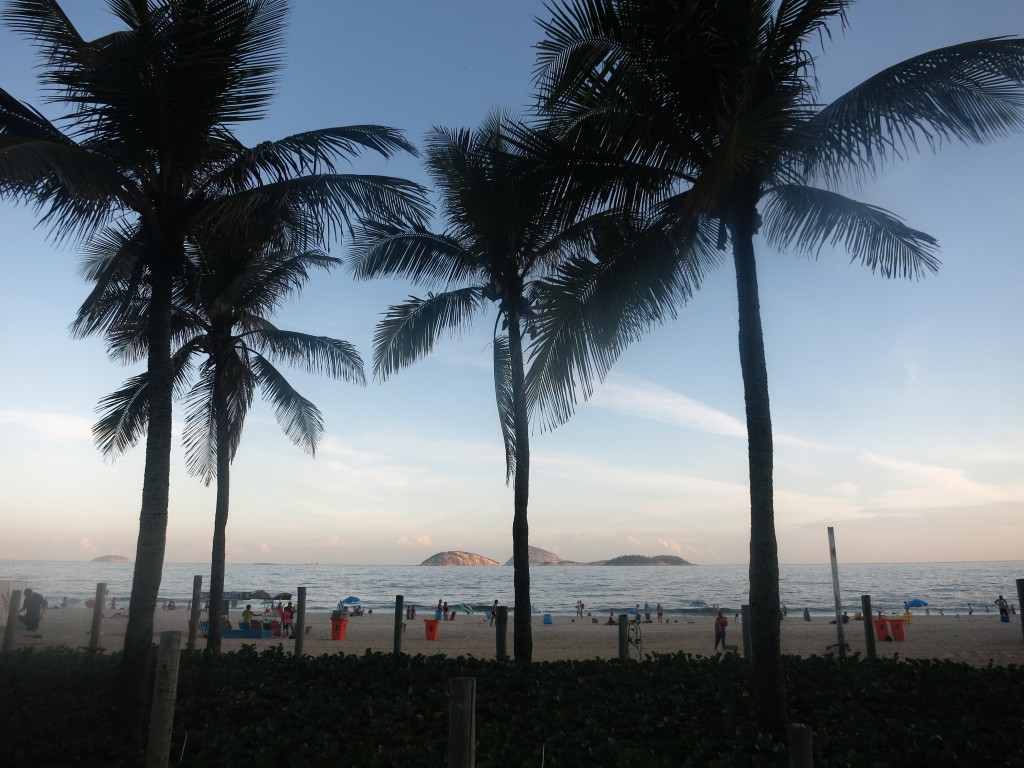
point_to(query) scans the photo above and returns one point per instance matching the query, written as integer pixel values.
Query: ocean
(951, 587)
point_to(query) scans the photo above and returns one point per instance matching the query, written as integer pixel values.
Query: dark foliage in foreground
(270, 709)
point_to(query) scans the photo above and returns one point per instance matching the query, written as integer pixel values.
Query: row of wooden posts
(462, 690)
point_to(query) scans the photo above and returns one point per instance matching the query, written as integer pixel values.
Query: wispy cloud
(51, 426)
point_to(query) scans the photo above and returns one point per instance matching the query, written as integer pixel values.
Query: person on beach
(33, 610)
(494, 612)
(720, 625)
(247, 616)
(1004, 607)
(661, 613)
(444, 612)
(647, 613)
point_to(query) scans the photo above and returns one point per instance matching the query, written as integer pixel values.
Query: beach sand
(976, 640)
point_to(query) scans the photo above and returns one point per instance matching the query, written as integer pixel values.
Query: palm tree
(507, 227)
(715, 102)
(221, 315)
(147, 145)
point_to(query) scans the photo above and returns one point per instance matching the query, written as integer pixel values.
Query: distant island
(540, 556)
(111, 559)
(458, 558)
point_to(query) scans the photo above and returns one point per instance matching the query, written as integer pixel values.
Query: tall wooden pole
(840, 635)
(97, 616)
(399, 621)
(193, 619)
(1020, 601)
(165, 693)
(462, 722)
(623, 637)
(300, 624)
(869, 634)
(501, 633)
(745, 630)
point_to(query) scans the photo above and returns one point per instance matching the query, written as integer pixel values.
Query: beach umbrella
(350, 599)
(259, 594)
(282, 596)
(916, 603)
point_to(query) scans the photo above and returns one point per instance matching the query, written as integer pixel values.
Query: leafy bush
(271, 709)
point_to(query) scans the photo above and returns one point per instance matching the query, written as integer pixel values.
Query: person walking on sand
(1004, 608)
(33, 610)
(494, 612)
(720, 625)
(661, 613)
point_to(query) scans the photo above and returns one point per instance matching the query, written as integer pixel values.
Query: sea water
(951, 587)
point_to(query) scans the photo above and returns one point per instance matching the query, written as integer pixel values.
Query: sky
(896, 404)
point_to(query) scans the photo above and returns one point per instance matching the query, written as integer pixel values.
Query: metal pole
(399, 619)
(97, 616)
(840, 636)
(193, 620)
(869, 635)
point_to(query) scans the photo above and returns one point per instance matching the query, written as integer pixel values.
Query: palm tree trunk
(220, 518)
(522, 632)
(765, 642)
(149, 551)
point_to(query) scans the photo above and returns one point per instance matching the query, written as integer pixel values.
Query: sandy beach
(976, 640)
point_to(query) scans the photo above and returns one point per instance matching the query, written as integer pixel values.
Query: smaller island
(111, 559)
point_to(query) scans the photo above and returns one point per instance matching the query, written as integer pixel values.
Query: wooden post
(799, 746)
(399, 621)
(165, 692)
(745, 630)
(12, 619)
(500, 632)
(840, 633)
(869, 632)
(623, 637)
(97, 616)
(193, 620)
(1020, 601)
(300, 624)
(462, 722)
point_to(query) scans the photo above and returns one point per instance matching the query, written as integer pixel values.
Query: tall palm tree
(222, 321)
(716, 103)
(147, 143)
(507, 226)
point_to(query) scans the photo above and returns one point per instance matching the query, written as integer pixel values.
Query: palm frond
(315, 354)
(972, 93)
(124, 417)
(409, 331)
(383, 249)
(299, 418)
(504, 399)
(807, 219)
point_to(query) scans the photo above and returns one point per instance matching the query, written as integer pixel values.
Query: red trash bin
(430, 626)
(338, 629)
(896, 627)
(881, 629)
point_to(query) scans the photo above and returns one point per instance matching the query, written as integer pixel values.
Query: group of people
(443, 611)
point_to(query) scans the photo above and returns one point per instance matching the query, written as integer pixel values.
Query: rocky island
(458, 558)
(111, 559)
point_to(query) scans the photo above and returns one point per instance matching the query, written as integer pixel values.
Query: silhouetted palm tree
(222, 321)
(507, 226)
(715, 101)
(147, 141)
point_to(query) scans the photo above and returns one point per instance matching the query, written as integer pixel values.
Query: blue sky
(896, 405)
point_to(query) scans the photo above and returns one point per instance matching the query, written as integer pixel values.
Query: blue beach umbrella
(916, 603)
(350, 599)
